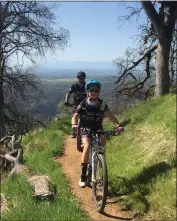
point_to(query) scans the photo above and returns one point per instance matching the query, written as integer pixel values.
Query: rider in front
(79, 94)
(91, 112)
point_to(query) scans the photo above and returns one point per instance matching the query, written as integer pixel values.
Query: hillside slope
(141, 167)
(40, 148)
(141, 162)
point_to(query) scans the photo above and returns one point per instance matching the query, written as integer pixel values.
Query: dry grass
(154, 142)
(4, 205)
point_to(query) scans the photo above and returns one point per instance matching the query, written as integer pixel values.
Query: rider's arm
(74, 119)
(68, 94)
(112, 117)
(67, 97)
(77, 113)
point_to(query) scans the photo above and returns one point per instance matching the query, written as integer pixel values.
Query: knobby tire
(101, 205)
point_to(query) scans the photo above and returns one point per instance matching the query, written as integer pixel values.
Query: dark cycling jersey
(91, 116)
(79, 93)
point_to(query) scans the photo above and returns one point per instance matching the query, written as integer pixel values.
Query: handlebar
(111, 132)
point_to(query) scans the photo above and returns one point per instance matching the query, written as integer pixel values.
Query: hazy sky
(95, 34)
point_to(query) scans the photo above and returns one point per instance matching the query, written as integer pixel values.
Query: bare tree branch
(156, 34)
(137, 62)
(26, 30)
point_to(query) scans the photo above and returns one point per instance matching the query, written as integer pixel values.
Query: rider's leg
(86, 150)
(84, 161)
(73, 128)
(73, 132)
(85, 156)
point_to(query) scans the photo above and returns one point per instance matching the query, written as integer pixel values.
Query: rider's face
(81, 79)
(93, 92)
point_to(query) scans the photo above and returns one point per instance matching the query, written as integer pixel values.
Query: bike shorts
(86, 132)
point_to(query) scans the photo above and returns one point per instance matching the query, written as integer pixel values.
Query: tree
(21, 92)
(136, 69)
(164, 24)
(131, 81)
(26, 32)
(173, 59)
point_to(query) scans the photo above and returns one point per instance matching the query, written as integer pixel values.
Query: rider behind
(79, 94)
(91, 112)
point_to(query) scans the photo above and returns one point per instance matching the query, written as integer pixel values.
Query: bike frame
(97, 161)
(95, 148)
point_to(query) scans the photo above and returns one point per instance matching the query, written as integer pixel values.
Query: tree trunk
(162, 68)
(171, 70)
(2, 122)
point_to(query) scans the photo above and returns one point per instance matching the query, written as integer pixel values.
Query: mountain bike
(77, 132)
(97, 169)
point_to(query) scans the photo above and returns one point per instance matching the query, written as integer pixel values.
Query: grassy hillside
(141, 167)
(40, 147)
(142, 163)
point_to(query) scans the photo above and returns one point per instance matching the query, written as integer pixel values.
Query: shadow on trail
(115, 217)
(138, 186)
(151, 172)
(113, 202)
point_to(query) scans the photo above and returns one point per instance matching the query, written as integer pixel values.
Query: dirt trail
(71, 164)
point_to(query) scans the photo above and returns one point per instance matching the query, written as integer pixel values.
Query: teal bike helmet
(92, 83)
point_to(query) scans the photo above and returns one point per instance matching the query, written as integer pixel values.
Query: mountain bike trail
(71, 160)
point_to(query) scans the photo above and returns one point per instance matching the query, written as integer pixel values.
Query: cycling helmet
(81, 74)
(92, 83)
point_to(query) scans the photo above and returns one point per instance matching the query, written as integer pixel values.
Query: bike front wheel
(100, 186)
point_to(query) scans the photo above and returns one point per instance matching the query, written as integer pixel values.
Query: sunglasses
(81, 78)
(94, 90)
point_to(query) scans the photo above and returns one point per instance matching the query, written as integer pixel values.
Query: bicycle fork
(93, 160)
(93, 167)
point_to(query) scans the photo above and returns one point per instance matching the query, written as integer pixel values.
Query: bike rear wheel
(100, 187)
(79, 140)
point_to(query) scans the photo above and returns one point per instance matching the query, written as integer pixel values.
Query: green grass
(141, 167)
(40, 147)
(141, 162)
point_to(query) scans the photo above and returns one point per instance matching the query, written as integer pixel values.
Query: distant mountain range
(81, 64)
(70, 69)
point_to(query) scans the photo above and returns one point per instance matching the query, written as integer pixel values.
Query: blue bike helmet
(92, 83)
